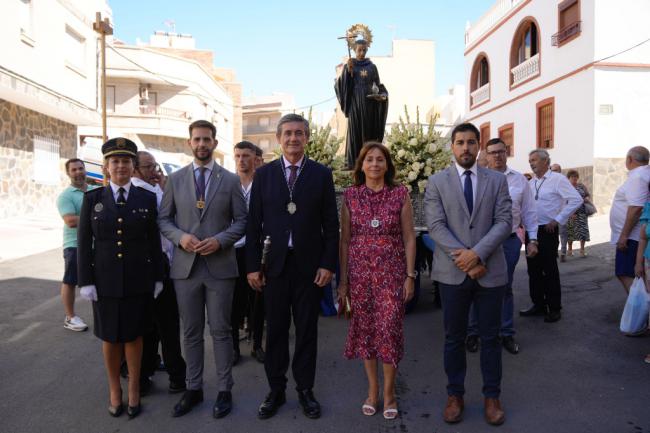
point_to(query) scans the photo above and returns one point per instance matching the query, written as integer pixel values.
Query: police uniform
(119, 253)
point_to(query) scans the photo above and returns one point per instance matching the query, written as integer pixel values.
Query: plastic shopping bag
(635, 314)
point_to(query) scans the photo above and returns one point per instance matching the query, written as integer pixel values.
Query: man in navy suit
(293, 202)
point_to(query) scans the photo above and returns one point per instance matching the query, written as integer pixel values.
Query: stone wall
(19, 193)
(609, 174)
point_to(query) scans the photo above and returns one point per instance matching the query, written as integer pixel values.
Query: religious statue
(362, 97)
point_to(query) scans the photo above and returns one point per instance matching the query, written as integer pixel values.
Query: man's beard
(204, 158)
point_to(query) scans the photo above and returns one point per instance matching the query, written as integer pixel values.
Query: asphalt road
(578, 375)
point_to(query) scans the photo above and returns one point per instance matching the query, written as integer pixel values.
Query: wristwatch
(413, 276)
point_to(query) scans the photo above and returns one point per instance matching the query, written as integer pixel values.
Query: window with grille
(569, 24)
(507, 135)
(45, 169)
(545, 123)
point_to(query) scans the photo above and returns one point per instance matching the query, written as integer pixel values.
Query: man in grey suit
(203, 213)
(468, 214)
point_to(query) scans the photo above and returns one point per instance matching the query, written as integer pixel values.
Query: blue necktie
(469, 191)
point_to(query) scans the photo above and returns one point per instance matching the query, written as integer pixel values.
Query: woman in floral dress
(377, 259)
(578, 225)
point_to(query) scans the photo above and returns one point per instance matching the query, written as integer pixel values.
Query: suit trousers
(167, 332)
(246, 302)
(456, 302)
(199, 293)
(512, 251)
(543, 273)
(288, 295)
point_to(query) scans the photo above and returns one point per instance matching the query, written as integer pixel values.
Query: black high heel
(134, 411)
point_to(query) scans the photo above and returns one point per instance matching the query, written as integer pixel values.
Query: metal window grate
(46, 161)
(545, 126)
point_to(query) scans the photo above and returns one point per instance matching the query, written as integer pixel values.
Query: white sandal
(390, 413)
(368, 409)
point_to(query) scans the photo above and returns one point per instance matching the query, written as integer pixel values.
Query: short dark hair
(292, 117)
(572, 173)
(140, 154)
(465, 127)
(493, 141)
(247, 145)
(360, 176)
(72, 161)
(203, 124)
(259, 151)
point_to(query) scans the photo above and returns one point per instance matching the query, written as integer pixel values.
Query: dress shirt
(287, 173)
(556, 200)
(474, 177)
(115, 188)
(523, 203)
(246, 192)
(208, 174)
(167, 245)
(633, 192)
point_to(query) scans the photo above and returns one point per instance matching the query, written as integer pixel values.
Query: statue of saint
(362, 97)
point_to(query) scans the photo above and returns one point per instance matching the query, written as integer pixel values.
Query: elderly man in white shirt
(625, 212)
(556, 200)
(523, 213)
(166, 319)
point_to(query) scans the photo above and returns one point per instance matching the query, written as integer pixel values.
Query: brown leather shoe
(494, 415)
(453, 409)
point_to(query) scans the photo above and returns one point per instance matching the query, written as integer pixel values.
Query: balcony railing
(566, 33)
(162, 111)
(525, 70)
(480, 95)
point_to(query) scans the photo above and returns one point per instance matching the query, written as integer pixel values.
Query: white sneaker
(74, 324)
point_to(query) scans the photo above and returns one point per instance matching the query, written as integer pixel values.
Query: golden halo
(358, 30)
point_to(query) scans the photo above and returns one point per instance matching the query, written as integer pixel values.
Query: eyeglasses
(496, 152)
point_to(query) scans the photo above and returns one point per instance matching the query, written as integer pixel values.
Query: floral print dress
(376, 273)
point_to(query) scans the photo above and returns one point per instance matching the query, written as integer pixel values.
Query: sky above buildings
(292, 47)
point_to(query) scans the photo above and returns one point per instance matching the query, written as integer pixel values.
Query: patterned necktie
(201, 184)
(469, 191)
(293, 175)
(120, 196)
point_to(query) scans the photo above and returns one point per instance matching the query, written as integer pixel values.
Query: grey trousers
(196, 294)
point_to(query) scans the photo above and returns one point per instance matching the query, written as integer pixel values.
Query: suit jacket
(452, 227)
(314, 226)
(119, 246)
(223, 217)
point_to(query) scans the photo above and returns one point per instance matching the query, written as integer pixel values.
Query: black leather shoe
(271, 404)
(236, 356)
(133, 411)
(190, 399)
(471, 343)
(259, 354)
(176, 386)
(535, 310)
(310, 407)
(116, 410)
(223, 405)
(510, 344)
(145, 386)
(553, 316)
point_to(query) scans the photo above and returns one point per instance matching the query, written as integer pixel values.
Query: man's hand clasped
(256, 280)
(192, 244)
(469, 262)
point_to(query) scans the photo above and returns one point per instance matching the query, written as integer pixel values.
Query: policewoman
(120, 267)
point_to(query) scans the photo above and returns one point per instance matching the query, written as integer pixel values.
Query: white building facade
(48, 87)
(568, 76)
(154, 94)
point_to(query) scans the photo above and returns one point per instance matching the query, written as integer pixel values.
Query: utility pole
(103, 27)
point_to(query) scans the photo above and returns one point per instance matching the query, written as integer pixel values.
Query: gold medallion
(200, 204)
(292, 208)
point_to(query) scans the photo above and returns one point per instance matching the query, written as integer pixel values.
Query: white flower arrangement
(416, 153)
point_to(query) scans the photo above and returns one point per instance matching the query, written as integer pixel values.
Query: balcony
(566, 33)
(525, 70)
(157, 110)
(480, 95)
